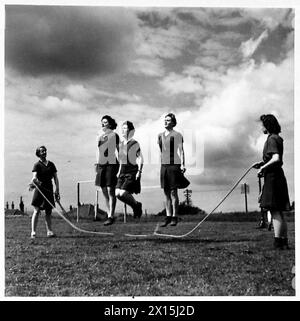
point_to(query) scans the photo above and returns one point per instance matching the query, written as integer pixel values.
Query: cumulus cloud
(228, 120)
(174, 84)
(74, 41)
(271, 17)
(249, 47)
(148, 66)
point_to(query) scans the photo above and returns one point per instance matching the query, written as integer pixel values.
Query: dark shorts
(128, 183)
(106, 175)
(275, 194)
(38, 199)
(171, 177)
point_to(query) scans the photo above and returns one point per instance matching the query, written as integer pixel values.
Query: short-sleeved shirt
(128, 154)
(107, 145)
(45, 173)
(273, 145)
(169, 145)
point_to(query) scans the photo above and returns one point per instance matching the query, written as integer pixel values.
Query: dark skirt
(171, 177)
(106, 175)
(128, 183)
(38, 199)
(275, 194)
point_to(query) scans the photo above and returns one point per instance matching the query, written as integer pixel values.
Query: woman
(43, 173)
(131, 165)
(172, 168)
(107, 165)
(274, 196)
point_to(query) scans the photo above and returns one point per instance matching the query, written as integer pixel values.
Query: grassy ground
(221, 258)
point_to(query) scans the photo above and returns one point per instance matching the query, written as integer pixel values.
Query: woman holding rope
(107, 164)
(274, 196)
(130, 171)
(43, 173)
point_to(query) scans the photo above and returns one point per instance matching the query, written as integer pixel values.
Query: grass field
(221, 258)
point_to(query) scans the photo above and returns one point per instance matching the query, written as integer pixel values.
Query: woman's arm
(55, 177)
(140, 163)
(182, 157)
(275, 158)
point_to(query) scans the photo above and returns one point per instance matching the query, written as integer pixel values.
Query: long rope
(191, 231)
(156, 232)
(68, 221)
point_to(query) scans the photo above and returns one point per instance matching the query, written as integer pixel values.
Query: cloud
(147, 66)
(174, 84)
(163, 43)
(249, 47)
(228, 119)
(270, 17)
(73, 41)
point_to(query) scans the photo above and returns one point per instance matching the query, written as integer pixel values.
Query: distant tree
(184, 209)
(188, 197)
(293, 206)
(21, 205)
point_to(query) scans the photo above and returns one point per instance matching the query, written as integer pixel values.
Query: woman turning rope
(274, 196)
(107, 164)
(43, 173)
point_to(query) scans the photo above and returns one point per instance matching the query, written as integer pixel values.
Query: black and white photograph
(149, 151)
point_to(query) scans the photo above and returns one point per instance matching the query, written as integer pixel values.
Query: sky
(217, 69)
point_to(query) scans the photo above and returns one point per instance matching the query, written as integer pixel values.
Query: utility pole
(187, 193)
(245, 190)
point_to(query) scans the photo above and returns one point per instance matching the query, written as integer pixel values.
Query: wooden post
(78, 200)
(125, 212)
(246, 203)
(96, 205)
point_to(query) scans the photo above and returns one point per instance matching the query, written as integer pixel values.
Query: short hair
(173, 118)
(270, 123)
(112, 123)
(37, 151)
(130, 127)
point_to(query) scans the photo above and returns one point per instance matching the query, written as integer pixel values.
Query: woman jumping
(107, 165)
(130, 171)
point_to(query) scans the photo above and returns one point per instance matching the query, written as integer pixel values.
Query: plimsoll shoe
(174, 221)
(109, 221)
(138, 210)
(167, 221)
(50, 234)
(262, 225)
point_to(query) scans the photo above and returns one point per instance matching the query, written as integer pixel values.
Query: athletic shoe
(167, 221)
(109, 221)
(285, 243)
(50, 234)
(33, 235)
(261, 225)
(278, 243)
(138, 210)
(174, 221)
